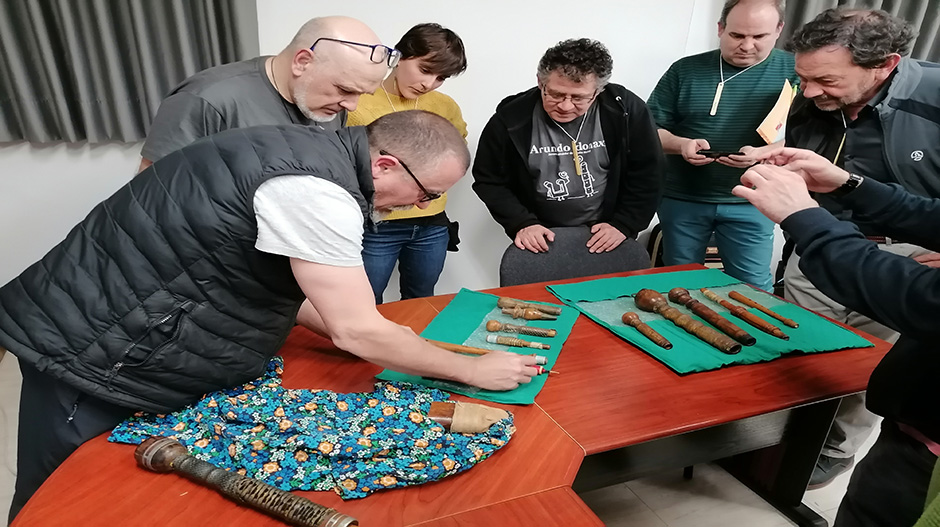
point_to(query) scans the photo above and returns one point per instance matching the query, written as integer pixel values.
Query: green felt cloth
(463, 321)
(605, 301)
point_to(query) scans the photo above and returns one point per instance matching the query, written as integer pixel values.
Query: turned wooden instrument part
(632, 319)
(460, 348)
(760, 307)
(745, 315)
(518, 343)
(495, 325)
(649, 300)
(162, 454)
(465, 418)
(681, 296)
(505, 301)
(527, 313)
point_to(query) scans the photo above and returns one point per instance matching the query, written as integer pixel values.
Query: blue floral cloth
(354, 443)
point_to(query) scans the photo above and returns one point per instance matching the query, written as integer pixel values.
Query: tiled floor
(711, 498)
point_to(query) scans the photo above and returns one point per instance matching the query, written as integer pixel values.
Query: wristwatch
(851, 184)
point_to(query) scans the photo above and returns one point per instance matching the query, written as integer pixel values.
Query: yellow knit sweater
(371, 107)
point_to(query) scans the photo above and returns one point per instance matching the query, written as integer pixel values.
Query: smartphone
(718, 153)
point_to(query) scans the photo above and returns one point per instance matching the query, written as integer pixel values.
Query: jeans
(745, 237)
(419, 251)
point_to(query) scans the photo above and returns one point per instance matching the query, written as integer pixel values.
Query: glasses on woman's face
(558, 98)
(428, 196)
(380, 52)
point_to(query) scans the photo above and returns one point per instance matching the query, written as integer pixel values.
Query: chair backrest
(568, 257)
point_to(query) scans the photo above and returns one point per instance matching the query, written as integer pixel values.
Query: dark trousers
(889, 486)
(55, 419)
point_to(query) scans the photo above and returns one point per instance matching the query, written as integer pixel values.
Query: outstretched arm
(342, 306)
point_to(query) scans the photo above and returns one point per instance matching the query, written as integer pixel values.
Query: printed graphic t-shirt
(563, 197)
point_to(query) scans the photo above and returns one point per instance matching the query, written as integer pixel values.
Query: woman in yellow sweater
(417, 238)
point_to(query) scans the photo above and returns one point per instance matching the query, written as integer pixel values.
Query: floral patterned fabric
(355, 443)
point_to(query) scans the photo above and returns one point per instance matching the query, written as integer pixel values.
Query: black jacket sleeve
(495, 180)
(894, 290)
(642, 171)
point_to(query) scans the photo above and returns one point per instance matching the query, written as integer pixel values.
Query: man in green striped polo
(715, 101)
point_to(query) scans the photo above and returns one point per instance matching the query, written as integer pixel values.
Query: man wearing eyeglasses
(573, 151)
(713, 103)
(869, 108)
(315, 80)
(189, 278)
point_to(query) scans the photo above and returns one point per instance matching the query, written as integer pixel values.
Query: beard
(299, 94)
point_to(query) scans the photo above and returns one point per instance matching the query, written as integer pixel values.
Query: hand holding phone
(715, 154)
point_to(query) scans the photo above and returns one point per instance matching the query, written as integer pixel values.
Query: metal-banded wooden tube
(527, 313)
(632, 319)
(681, 296)
(518, 343)
(162, 454)
(649, 300)
(460, 348)
(495, 325)
(745, 315)
(505, 301)
(756, 305)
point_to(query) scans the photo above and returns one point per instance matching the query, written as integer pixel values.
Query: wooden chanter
(632, 319)
(162, 454)
(495, 325)
(653, 302)
(745, 315)
(681, 296)
(527, 313)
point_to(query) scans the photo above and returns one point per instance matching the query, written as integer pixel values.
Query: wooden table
(613, 414)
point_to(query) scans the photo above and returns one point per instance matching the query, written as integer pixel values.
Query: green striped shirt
(681, 102)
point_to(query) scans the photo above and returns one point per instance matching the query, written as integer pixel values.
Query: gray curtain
(96, 70)
(923, 14)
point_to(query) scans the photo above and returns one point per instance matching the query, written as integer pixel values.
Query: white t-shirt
(309, 218)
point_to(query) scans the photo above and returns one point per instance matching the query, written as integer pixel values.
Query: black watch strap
(851, 184)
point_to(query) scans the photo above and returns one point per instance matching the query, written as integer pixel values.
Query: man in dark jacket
(190, 277)
(871, 110)
(889, 486)
(573, 151)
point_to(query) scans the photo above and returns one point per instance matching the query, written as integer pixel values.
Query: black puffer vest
(159, 295)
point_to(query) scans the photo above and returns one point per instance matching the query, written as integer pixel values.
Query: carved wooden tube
(495, 325)
(527, 313)
(518, 343)
(632, 319)
(756, 305)
(649, 300)
(681, 296)
(745, 315)
(162, 454)
(505, 301)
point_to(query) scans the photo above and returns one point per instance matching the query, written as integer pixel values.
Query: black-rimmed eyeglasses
(380, 52)
(428, 196)
(558, 98)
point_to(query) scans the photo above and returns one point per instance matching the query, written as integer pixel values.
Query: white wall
(44, 191)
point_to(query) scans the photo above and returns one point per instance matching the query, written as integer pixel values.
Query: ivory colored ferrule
(540, 359)
(513, 341)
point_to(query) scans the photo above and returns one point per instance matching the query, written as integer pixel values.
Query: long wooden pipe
(756, 305)
(470, 350)
(745, 315)
(649, 300)
(681, 296)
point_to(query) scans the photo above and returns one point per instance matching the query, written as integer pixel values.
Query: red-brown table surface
(608, 395)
